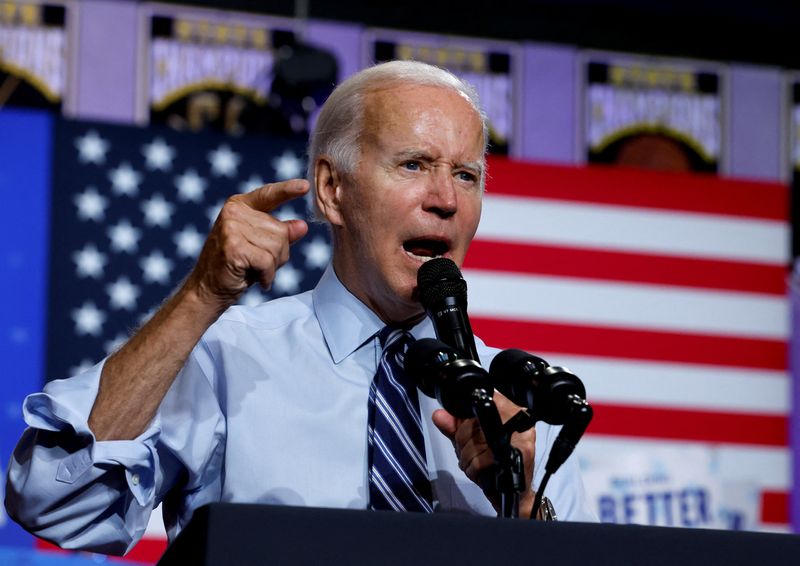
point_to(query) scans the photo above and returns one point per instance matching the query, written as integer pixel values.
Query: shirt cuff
(64, 406)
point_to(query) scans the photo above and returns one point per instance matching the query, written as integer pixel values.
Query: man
(271, 404)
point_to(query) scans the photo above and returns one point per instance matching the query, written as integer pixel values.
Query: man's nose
(441, 197)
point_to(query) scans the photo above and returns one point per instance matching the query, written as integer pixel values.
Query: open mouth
(424, 249)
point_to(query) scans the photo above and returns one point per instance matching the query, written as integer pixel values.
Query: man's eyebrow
(422, 155)
(414, 154)
(476, 166)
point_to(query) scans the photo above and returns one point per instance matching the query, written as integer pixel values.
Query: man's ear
(328, 190)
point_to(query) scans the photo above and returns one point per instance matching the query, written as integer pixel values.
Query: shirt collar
(346, 322)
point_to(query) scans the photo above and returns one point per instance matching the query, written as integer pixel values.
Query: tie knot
(394, 344)
(391, 335)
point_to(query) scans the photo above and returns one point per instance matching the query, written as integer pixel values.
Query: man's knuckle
(232, 240)
(231, 210)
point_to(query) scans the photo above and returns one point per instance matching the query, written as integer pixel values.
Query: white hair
(340, 122)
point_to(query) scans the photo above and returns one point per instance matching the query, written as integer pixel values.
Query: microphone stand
(509, 476)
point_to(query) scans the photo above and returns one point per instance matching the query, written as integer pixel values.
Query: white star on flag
(191, 186)
(251, 184)
(123, 294)
(157, 211)
(189, 242)
(91, 205)
(318, 253)
(286, 213)
(91, 148)
(88, 319)
(252, 297)
(124, 237)
(125, 180)
(158, 155)
(224, 161)
(156, 268)
(287, 279)
(90, 262)
(287, 166)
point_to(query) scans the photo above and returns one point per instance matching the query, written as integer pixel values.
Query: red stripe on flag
(148, 550)
(632, 187)
(632, 344)
(680, 424)
(775, 507)
(582, 263)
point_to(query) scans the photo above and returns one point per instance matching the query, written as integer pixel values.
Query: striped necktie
(398, 473)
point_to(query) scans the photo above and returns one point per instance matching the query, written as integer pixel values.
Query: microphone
(551, 394)
(531, 382)
(443, 294)
(441, 373)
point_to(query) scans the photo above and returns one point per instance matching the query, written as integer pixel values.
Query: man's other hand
(475, 456)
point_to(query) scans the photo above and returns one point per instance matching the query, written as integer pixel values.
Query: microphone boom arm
(509, 475)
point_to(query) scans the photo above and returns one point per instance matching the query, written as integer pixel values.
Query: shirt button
(135, 479)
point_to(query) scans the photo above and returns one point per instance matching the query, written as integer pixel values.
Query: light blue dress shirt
(271, 407)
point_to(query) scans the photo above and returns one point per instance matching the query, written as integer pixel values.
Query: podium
(245, 534)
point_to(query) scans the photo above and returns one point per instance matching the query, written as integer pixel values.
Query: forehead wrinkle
(379, 114)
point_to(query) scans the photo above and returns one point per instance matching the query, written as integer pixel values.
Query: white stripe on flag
(596, 226)
(636, 306)
(687, 386)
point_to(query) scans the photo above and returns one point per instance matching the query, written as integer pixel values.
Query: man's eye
(467, 176)
(412, 165)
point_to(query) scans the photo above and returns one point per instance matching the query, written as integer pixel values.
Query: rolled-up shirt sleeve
(78, 492)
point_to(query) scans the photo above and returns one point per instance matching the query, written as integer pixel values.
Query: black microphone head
(423, 360)
(514, 360)
(564, 383)
(517, 375)
(531, 382)
(441, 373)
(439, 278)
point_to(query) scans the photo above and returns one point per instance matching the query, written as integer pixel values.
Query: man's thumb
(445, 422)
(297, 229)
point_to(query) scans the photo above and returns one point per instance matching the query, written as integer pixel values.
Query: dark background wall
(762, 32)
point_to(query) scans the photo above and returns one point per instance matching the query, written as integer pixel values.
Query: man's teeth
(422, 258)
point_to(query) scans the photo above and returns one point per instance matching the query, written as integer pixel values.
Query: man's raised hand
(246, 244)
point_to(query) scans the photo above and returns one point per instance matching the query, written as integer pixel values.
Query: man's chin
(407, 308)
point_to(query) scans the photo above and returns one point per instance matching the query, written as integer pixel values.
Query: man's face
(415, 194)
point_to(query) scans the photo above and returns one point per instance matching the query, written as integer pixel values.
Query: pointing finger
(271, 196)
